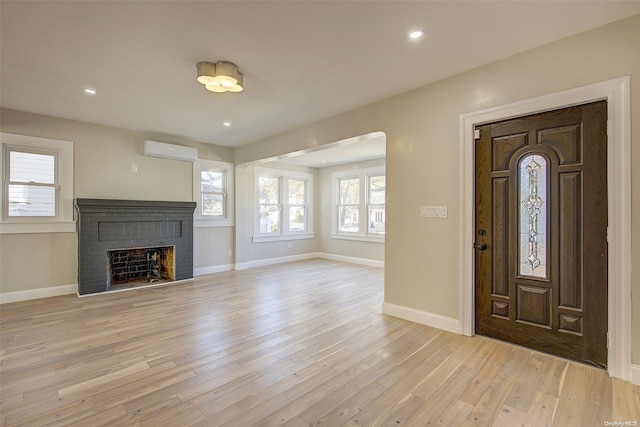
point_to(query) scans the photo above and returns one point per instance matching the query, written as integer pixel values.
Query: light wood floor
(299, 344)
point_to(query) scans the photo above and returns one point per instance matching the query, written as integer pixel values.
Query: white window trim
(226, 220)
(363, 175)
(63, 222)
(284, 235)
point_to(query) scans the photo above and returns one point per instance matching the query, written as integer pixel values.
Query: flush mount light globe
(219, 77)
(205, 72)
(239, 85)
(215, 87)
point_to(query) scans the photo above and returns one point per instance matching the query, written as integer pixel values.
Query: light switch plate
(434, 212)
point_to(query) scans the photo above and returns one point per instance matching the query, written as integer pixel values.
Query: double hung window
(213, 193)
(359, 210)
(284, 205)
(31, 183)
(37, 185)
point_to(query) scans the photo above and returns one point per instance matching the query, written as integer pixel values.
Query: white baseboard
(202, 271)
(29, 294)
(271, 261)
(310, 255)
(424, 318)
(635, 374)
(353, 260)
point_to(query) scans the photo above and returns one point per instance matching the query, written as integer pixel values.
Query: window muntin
(377, 186)
(297, 204)
(269, 202)
(212, 192)
(349, 205)
(31, 184)
(60, 185)
(359, 204)
(284, 205)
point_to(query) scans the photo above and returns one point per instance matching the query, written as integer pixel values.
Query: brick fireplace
(124, 243)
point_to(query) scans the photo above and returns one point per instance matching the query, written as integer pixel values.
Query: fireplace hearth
(125, 243)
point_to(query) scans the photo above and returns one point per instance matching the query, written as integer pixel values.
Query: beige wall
(102, 169)
(423, 153)
(32, 261)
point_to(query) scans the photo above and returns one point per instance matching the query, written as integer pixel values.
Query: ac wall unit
(170, 151)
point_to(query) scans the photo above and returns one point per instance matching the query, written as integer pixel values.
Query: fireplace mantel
(146, 204)
(107, 224)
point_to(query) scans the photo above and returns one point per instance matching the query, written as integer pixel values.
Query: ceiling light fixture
(416, 34)
(90, 91)
(221, 76)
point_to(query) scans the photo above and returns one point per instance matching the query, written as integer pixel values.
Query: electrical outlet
(229, 253)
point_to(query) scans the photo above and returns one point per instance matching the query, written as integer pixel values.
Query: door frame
(617, 94)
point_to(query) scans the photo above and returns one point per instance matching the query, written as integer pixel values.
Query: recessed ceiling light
(416, 34)
(226, 124)
(90, 91)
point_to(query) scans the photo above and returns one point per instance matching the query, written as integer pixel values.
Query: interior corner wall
(422, 255)
(102, 169)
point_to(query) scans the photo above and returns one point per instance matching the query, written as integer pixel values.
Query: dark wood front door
(541, 232)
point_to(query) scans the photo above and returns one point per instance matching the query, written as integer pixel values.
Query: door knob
(481, 246)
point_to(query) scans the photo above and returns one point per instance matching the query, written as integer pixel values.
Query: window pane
(213, 204)
(350, 191)
(32, 200)
(211, 181)
(269, 189)
(31, 167)
(377, 187)
(269, 219)
(376, 219)
(297, 220)
(533, 216)
(296, 192)
(348, 219)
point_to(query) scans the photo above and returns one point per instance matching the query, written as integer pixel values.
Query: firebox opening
(140, 266)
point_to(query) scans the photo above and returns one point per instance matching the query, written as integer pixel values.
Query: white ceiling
(302, 60)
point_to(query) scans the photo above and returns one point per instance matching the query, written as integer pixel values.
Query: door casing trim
(617, 93)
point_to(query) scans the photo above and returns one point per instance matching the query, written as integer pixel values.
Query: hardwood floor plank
(486, 374)
(625, 401)
(455, 414)
(299, 344)
(431, 410)
(571, 408)
(529, 382)
(351, 406)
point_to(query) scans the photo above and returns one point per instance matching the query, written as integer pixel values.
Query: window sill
(280, 238)
(33, 228)
(358, 237)
(210, 223)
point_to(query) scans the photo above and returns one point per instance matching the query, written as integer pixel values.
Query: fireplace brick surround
(105, 225)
